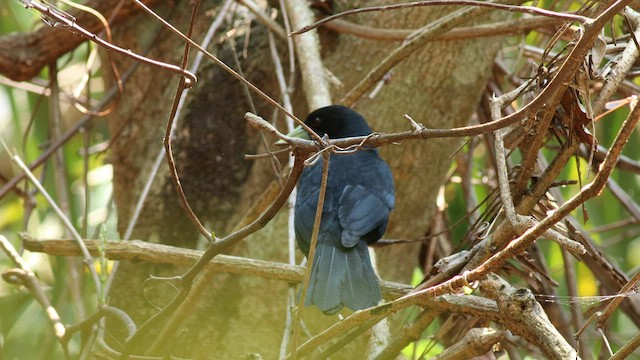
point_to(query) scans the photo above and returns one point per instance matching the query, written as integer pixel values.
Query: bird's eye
(316, 122)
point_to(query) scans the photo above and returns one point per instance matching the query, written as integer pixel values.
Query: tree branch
(22, 56)
(314, 81)
(137, 250)
(511, 27)
(491, 5)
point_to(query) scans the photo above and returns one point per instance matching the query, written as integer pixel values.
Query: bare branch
(520, 223)
(88, 260)
(511, 27)
(61, 19)
(312, 251)
(164, 254)
(621, 67)
(627, 349)
(475, 343)
(316, 86)
(166, 141)
(587, 192)
(408, 334)
(604, 315)
(465, 304)
(68, 135)
(24, 55)
(493, 5)
(525, 317)
(273, 26)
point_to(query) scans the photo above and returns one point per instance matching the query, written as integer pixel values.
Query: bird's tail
(342, 277)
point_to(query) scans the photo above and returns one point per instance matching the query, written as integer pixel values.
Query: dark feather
(358, 200)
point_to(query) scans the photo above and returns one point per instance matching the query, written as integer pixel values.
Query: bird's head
(335, 121)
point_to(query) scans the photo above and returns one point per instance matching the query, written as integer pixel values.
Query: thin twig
(103, 311)
(182, 86)
(606, 313)
(510, 27)
(627, 349)
(88, 260)
(577, 319)
(173, 170)
(626, 199)
(64, 138)
(92, 56)
(311, 256)
(74, 269)
(273, 26)
(625, 163)
(133, 219)
(61, 19)
(275, 163)
(512, 8)
(290, 46)
(378, 139)
(619, 70)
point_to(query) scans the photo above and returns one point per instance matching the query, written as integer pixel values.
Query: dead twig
(491, 5)
(61, 19)
(164, 254)
(511, 27)
(311, 256)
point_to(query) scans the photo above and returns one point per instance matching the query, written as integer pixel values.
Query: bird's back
(363, 168)
(358, 199)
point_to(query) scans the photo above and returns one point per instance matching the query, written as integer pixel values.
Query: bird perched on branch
(358, 200)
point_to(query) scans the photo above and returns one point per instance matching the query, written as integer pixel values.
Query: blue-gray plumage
(358, 200)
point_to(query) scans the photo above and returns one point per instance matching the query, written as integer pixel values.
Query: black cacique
(358, 200)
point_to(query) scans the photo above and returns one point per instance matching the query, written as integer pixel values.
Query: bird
(358, 200)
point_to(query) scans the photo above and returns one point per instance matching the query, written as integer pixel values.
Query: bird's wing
(305, 213)
(360, 212)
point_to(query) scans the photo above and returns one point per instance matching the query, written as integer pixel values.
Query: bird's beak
(298, 132)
